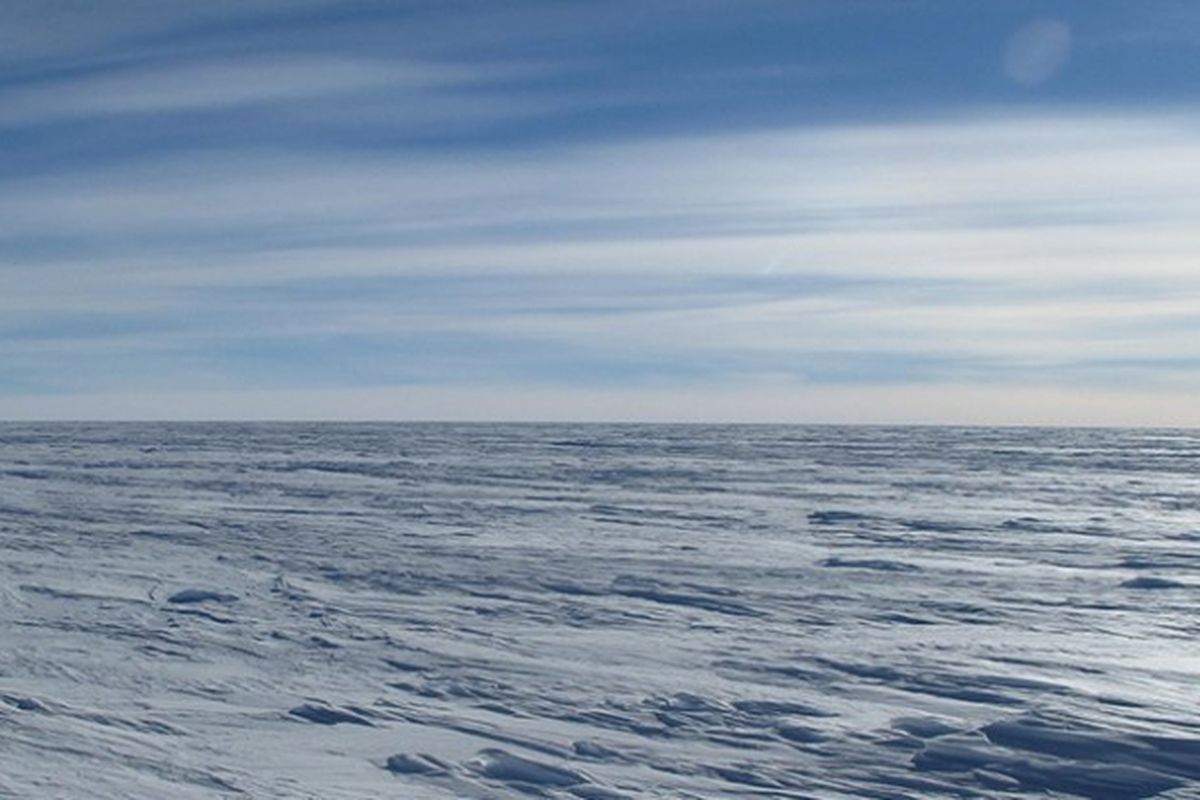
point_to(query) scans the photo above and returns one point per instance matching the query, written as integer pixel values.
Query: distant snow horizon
(926, 406)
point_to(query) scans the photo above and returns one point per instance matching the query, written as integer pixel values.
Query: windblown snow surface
(595, 612)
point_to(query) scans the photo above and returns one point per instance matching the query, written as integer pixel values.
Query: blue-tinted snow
(436, 611)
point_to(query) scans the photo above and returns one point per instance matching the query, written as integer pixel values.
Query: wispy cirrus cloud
(970, 242)
(215, 85)
(1013, 195)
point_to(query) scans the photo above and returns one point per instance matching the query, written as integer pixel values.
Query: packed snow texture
(597, 612)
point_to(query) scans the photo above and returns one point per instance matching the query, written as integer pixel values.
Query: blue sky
(854, 210)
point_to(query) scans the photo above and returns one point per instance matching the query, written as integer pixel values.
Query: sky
(892, 211)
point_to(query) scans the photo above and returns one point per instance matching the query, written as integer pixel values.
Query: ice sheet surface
(437, 611)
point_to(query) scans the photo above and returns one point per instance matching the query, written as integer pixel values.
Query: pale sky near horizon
(746, 210)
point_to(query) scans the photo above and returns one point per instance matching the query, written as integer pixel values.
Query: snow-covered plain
(435, 611)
